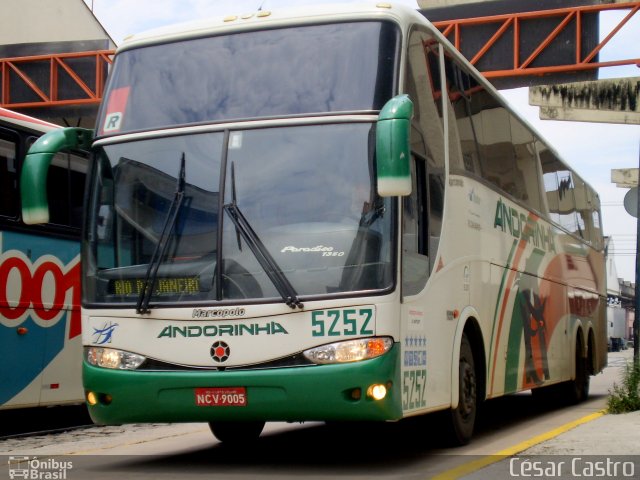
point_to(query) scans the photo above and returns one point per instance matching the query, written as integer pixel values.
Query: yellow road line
(470, 467)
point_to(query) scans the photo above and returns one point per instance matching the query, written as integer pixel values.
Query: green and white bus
(323, 214)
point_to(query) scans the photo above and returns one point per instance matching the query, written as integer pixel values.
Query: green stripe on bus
(519, 316)
(500, 293)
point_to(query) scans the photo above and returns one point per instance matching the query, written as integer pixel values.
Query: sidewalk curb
(470, 467)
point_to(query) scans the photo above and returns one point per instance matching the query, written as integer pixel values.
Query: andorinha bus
(323, 214)
(39, 276)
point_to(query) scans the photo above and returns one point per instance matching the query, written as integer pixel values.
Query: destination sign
(163, 286)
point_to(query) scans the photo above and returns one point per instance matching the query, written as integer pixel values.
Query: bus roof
(311, 14)
(269, 19)
(35, 124)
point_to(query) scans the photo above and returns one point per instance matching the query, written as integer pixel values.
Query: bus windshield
(288, 71)
(308, 201)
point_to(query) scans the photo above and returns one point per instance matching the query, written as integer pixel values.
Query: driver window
(415, 262)
(422, 210)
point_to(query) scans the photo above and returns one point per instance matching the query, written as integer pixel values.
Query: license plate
(221, 397)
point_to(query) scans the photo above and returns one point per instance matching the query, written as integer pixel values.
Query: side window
(414, 211)
(106, 218)
(550, 181)
(495, 145)
(9, 196)
(527, 166)
(568, 217)
(435, 173)
(423, 87)
(583, 223)
(596, 227)
(464, 154)
(422, 210)
(65, 189)
(560, 191)
(588, 213)
(415, 263)
(497, 152)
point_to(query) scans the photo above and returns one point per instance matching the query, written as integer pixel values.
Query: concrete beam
(607, 101)
(593, 116)
(625, 177)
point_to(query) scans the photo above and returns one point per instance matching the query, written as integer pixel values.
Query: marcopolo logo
(38, 469)
(218, 313)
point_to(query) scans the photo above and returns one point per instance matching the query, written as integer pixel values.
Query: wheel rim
(467, 391)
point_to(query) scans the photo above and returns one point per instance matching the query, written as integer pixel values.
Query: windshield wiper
(266, 261)
(163, 241)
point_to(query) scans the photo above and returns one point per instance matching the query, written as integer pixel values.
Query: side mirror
(33, 178)
(393, 149)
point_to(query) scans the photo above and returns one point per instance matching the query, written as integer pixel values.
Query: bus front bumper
(320, 392)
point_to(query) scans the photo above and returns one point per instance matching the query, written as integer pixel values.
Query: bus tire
(462, 418)
(577, 390)
(235, 433)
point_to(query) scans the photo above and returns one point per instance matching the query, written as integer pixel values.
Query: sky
(592, 149)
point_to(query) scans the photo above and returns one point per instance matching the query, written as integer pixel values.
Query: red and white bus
(40, 323)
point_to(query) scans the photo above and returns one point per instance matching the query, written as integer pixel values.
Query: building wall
(613, 284)
(616, 322)
(35, 21)
(630, 317)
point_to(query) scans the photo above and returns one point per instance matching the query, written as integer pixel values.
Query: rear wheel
(577, 390)
(462, 418)
(236, 432)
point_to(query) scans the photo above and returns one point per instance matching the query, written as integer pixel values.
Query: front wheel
(236, 432)
(463, 417)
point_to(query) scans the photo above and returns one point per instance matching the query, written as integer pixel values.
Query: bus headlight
(349, 350)
(112, 358)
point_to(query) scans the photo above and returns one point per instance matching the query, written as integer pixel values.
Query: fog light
(377, 391)
(92, 398)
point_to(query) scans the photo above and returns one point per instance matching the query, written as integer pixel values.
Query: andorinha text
(508, 219)
(236, 330)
